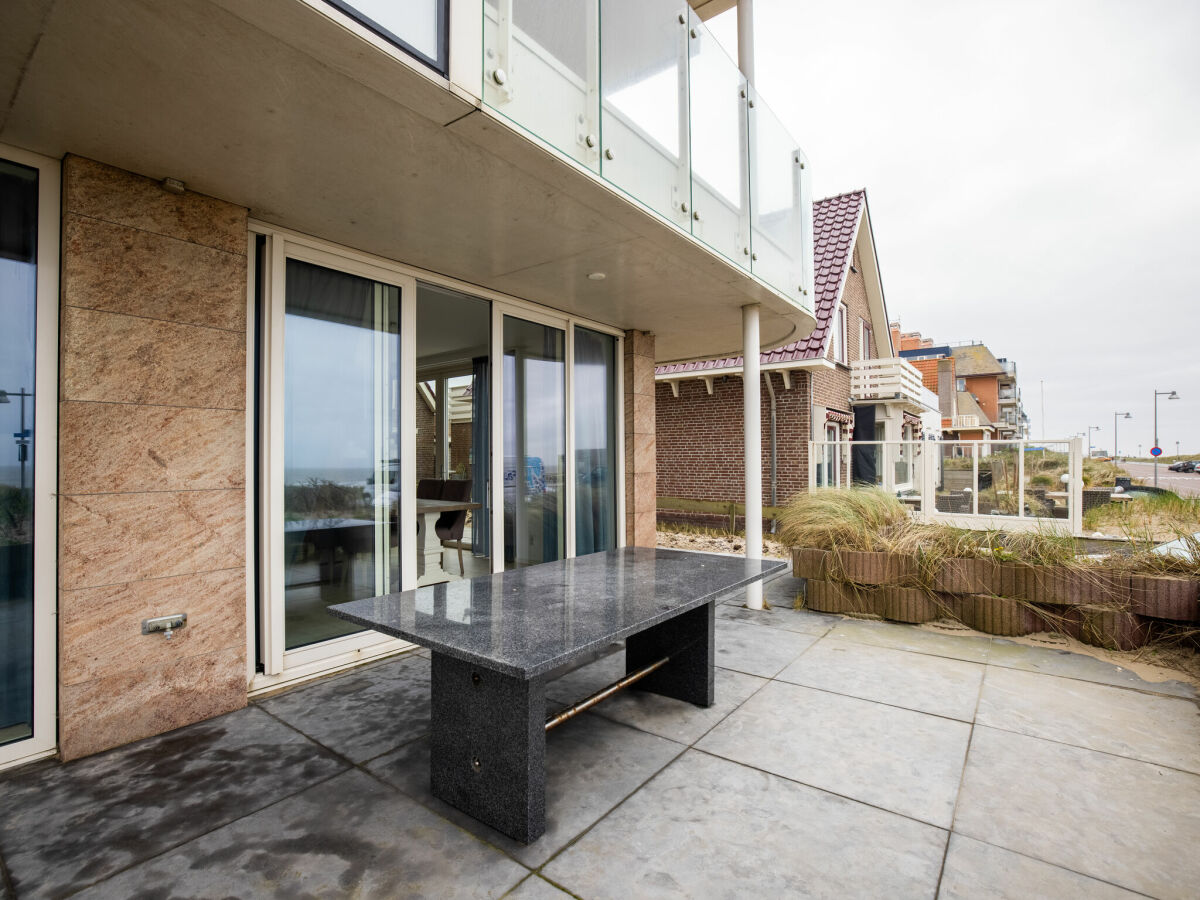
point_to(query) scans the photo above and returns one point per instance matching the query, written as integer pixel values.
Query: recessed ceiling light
(596, 276)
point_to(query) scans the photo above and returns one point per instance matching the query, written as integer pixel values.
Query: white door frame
(44, 741)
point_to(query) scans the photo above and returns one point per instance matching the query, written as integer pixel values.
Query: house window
(866, 348)
(839, 334)
(960, 384)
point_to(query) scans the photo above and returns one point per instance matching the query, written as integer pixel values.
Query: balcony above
(890, 381)
(300, 111)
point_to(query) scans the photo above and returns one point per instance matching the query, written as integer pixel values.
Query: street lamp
(1170, 395)
(1116, 454)
(22, 436)
(1090, 429)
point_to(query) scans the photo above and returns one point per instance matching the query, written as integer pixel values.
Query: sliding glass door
(535, 430)
(28, 355)
(341, 451)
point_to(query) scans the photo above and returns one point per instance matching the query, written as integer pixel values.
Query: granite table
(497, 639)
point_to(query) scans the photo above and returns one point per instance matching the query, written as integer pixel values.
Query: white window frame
(283, 666)
(838, 344)
(865, 338)
(44, 741)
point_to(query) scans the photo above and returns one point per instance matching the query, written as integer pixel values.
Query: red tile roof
(835, 224)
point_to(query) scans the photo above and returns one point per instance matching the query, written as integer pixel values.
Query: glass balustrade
(781, 209)
(641, 93)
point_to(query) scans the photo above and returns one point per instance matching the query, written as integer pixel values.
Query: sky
(1033, 174)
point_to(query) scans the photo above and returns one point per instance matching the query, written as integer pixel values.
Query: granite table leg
(488, 746)
(689, 640)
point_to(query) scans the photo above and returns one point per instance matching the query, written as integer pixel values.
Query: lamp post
(1090, 429)
(21, 436)
(1117, 455)
(1170, 395)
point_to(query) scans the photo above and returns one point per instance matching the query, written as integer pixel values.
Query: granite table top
(526, 622)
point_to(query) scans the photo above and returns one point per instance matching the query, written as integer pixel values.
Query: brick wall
(460, 448)
(426, 440)
(152, 473)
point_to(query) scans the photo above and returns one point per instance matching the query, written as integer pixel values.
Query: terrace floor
(843, 758)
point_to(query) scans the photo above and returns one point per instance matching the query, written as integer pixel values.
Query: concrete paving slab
(897, 759)
(707, 827)
(978, 871)
(586, 680)
(535, 888)
(1054, 661)
(799, 620)
(918, 640)
(350, 836)
(64, 827)
(756, 650)
(363, 713)
(932, 684)
(1130, 823)
(1162, 730)
(592, 764)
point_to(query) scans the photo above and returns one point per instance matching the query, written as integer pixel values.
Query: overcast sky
(1033, 172)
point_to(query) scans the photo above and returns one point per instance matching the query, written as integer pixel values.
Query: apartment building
(274, 273)
(978, 393)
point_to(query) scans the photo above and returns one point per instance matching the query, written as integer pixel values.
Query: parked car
(1184, 465)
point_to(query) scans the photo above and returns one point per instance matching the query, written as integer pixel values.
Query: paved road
(1185, 485)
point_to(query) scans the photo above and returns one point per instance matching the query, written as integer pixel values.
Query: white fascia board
(873, 283)
(706, 374)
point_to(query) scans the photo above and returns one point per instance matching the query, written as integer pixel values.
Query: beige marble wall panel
(123, 359)
(120, 269)
(107, 712)
(644, 497)
(114, 195)
(115, 538)
(640, 439)
(100, 628)
(120, 447)
(644, 452)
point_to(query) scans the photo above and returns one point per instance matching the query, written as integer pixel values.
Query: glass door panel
(454, 434)
(18, 310)
(341, 446)
(535, 426)
(595, 393)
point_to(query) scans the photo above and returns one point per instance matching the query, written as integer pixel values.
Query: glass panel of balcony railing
(720, 179)
(417, 26)
(776, 167)
(644, 102)
(541, 70)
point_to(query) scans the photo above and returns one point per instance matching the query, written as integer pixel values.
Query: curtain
(481, 456)
(595, 442)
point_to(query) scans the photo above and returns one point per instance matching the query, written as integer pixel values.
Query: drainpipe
(752, 430)
(774, 455)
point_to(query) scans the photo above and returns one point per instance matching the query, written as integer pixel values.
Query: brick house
(839, 384)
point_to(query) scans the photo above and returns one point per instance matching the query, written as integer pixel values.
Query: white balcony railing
(958, 422)
(645, 98)
(890, 380)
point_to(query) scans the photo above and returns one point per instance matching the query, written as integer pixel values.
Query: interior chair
(450, 525)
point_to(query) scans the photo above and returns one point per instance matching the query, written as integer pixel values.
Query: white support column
(745, 38)
(752, 425)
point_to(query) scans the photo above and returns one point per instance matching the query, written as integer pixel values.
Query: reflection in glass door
(18, 311)
(594, 391)
(535, 426)
(342, 480)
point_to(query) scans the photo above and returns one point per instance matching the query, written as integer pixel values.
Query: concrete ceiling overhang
(277, 106)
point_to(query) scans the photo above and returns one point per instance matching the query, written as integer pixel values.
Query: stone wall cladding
(640, 440)
(152, 473)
